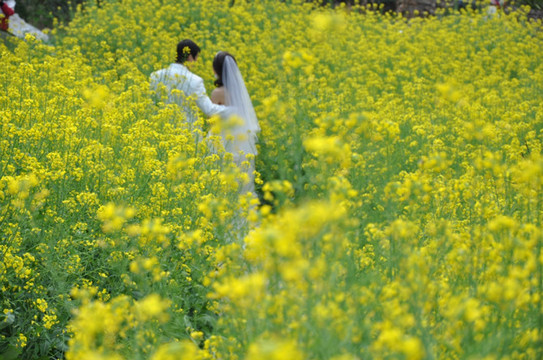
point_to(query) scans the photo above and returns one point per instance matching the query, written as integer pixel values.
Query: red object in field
(496, 3)
(4, 22)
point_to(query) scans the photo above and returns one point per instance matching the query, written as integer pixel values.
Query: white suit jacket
(182, 87)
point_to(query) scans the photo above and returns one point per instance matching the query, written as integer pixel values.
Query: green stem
(539, 280)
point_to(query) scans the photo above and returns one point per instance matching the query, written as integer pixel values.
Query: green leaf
(11, 353)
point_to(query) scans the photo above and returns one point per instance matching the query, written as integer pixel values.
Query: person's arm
(217, 96)
(6, 9)
(204, 102)
(154, 80)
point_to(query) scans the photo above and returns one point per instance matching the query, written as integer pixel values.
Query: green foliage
(402, 158)
(44, 13)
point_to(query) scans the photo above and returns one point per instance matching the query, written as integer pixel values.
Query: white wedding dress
(240, 139)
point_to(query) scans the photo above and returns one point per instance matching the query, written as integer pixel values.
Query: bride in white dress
(241, 136)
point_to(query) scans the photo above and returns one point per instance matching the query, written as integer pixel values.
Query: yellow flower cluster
(108, 326)
(400, 171)
(98, 187)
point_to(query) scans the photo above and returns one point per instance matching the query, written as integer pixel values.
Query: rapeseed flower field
(400, 171)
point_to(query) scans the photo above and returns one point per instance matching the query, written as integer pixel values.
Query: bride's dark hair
(218, 63)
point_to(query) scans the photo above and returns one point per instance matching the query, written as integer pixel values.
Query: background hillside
(41, 13)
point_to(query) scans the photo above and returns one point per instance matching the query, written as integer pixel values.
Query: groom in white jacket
(178, 85)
